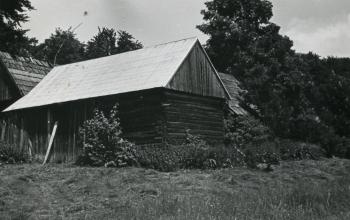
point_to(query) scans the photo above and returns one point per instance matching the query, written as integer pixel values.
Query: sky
(320, 26)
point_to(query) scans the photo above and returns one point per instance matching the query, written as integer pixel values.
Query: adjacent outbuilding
(162, 91)
(18, 76)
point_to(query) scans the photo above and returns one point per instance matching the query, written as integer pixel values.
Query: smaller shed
(18, 76)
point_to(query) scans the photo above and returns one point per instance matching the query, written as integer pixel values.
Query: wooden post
(30, 149)
(50, 143)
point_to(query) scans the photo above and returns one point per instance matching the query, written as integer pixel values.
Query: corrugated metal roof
(232, 86)
(142, 69)
(26, 72)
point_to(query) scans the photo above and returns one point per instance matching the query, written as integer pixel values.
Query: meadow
(293, 190)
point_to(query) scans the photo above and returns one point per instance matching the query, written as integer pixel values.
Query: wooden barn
(162, 91)
(19, 75)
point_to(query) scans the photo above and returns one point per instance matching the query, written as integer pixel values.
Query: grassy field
(294, 190)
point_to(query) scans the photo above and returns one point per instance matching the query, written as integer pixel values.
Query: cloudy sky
(321, 26)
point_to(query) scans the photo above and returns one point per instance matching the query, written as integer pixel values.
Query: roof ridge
(171, 42)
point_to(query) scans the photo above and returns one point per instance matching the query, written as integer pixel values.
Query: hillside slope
(294, 190)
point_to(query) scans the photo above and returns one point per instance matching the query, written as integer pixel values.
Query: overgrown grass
(294, 190)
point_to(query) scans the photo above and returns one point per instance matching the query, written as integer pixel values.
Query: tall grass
(294, 190)
(301, 201)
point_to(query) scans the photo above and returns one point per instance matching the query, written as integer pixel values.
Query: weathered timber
(192, 113)
(197, 75)
(50, 143)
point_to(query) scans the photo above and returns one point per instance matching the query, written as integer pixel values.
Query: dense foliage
(62, 47)
(194, 153)
(13, 38)
(298, 96)
(107, 43)
(260, 146)
(102, 142)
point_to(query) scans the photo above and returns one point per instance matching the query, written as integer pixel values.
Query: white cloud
(326, 40)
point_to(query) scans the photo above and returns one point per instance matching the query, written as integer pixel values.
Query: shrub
(259, 145)
(194, 153)
(243, 130)
(292, 150)
(102, 142)
(262, 153)
(252, 138)
(11, 154)
(162, 157)
(338, 146)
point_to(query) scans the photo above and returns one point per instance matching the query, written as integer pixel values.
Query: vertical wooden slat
(49, 147)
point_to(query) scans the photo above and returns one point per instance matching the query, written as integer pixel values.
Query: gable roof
(25, 72)
(233, 87)
(142, 69)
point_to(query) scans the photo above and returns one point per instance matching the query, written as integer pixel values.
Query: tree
(299, 96)
(12, 38)
(106, 43)
(62, 47)
(126, 42)
(102, 44)
(243, 42)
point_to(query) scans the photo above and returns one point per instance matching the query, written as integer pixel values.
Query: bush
(260, 146)
(243, 130)
(291, 150)
(162, 157)
(194, 153)
(263, 153)
(102, 142)
(11, 154)
(337, 146)
(252, 138)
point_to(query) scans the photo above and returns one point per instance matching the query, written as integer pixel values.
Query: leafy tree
(299, 96)
(126, 42)
(243, 41)
(62, 47)
(102, 44)
(13, 39)
(109, 42)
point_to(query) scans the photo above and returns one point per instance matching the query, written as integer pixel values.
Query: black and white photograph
(174, 109)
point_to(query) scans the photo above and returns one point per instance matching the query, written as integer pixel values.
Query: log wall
(203, 116)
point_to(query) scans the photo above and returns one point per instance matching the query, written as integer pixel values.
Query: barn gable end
(196, 75)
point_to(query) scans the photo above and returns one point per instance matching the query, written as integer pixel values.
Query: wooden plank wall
(197, 76)
(203, 116)
(149, 117)
(140, 114)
